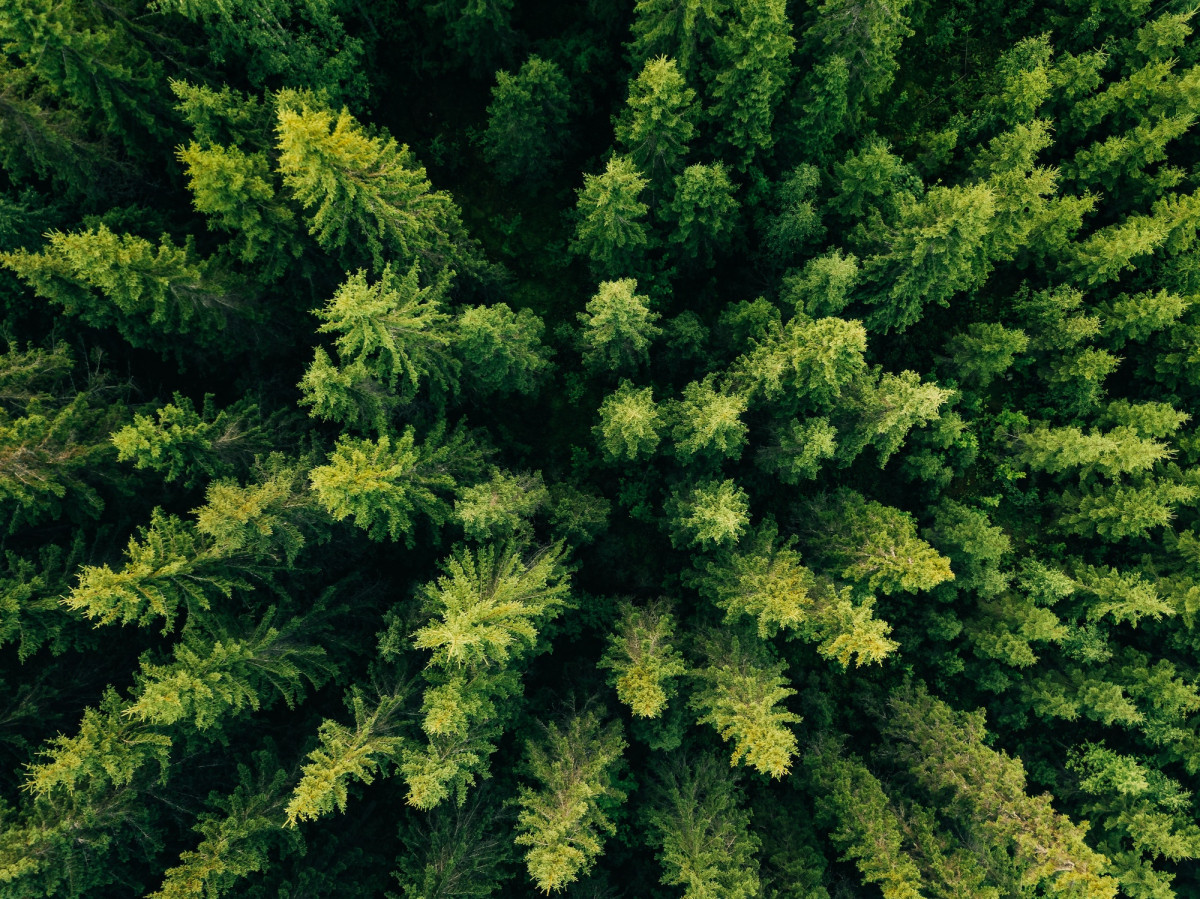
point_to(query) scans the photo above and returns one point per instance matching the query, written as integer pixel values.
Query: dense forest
(626, 448)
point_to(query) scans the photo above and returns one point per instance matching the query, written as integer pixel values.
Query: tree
(501, 351)
(763, 579)
(383, 483)
(611, 229)
(630, 424)
(150, 295)
(753, 70)
(397, 329)
(642, 659)
(680, 29)
(658, 121)
(563, 821)
(703, 212)
(618, 327)
(943, 751)
(361, 193)
(741, 690)
(527, 121)
(707, 422)
(872, 544)
(711, 512)
(500, 508)
(192, 447)
(702, 829)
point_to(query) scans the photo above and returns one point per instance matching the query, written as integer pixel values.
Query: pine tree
(501, 351)
(680, 29)
(699, 822)
(527, 120)
(150, 295)
(658, 121)
(564, 820)
(753, 70)
(741, 691)
(611, 229)
(384, 483)
(630, 423)
(362, 193)
(709, 512)
(702, 212)
(872, 544)
(642, 659)
(618, 327)
(707, 422)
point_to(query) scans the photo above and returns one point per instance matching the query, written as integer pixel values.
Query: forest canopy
(686, 449)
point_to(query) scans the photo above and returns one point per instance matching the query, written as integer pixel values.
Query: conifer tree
(658, 121)
(611, 229)
(527, 121)
(702, 829)
(642, 659)
(741, 693)
(359, 192)
(618, 327)
(563, 821)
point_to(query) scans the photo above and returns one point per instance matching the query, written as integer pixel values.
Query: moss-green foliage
(731, 449)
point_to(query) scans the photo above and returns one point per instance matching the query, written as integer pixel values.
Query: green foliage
(618, 327)
(563, 821)
(150, 295)
(527, 121)
(715, 512)
(189, 446)
(703, 212)
(382, 484)
(642, 659)
(500, 508)
(486, 607)
(630, 423)
(708, 422)
(872, 544)
(501, 351)
(611, 229)
(347, 754)
(703, 831)
(361, 192)
(741, 693)
(658, 121)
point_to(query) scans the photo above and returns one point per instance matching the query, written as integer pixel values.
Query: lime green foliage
(500, 508)
(708, 422)
(487, 606)
(236, 190)
(630, 423)
(189, 446)
(383, 484)
(712, 512)
(347, 754)
(618, 327)
(642, 659)
(238, 836)
(703, 831)
(764, 579)
(361, 192)
(151, 295)
(741, 693)
(658, 121)
(872, 544)
(563, 821)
